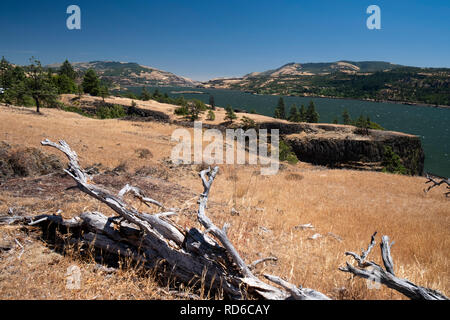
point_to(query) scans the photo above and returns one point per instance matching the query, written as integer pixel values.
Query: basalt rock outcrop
(342, 146)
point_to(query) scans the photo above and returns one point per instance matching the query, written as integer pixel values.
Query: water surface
(431, 124)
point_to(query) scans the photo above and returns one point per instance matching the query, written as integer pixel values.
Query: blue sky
(206, 39)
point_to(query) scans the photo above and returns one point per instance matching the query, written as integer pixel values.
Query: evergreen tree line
(363, 122)
(295, 115)
(34, 85)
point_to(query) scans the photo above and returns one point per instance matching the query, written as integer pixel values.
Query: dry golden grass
(110, 142)
(349, 204)
(169, 109)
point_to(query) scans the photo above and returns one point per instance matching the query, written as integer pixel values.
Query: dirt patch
(293, 177)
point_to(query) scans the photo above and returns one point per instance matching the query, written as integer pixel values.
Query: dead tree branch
(259, 261)
(372, 271)
(436, 181)
(298, 293)
(191, 255)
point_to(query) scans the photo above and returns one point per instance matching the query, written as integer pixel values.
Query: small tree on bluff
(230, 115)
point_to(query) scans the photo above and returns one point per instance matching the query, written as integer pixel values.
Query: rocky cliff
(342, 146)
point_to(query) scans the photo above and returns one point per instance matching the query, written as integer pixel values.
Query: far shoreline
(406, 103)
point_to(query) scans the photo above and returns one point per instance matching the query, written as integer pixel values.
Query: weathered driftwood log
(436, 181)
(149, 238)
(372, 271)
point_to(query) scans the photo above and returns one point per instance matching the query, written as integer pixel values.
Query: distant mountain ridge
(366, 80)
(313, 68)
(131, 74)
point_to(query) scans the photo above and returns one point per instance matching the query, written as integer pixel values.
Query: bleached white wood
(371, 270)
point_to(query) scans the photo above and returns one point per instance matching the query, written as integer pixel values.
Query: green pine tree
(303, 114)
(145, 95)
(67, 69)
(346, 117)
(292, 113)
(91, 83)
(103, 92)
(280, 112)
(212, 103)
(312, 115)
(65, 84)
(230, 115)
(156, 95)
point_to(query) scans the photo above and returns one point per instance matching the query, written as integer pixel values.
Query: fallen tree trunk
(192, 255)
(374, 272)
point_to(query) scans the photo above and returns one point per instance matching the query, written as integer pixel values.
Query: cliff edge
(342, 146)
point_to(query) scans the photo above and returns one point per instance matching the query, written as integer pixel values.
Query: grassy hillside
(344, 206)
(130, 74)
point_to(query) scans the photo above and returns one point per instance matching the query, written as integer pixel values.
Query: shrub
(230, 115)
(144, 153)
(211, 115)
(194, 109)
(75, 110)
(248, 123)
(286, 153)
(199, 105)
(17, 161)
(111, 112)
(392, 162)
(182, 111)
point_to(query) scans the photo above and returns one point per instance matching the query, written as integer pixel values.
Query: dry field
(168, 109)
(344, 206)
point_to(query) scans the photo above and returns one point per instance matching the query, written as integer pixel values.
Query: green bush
(286, 153)
(292, 158)
(182, 111)
(211, 115)
(392, 162)
(248, 123)
(230, 115)
(75, 110)
(375, 126)
(111, 112)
